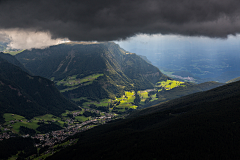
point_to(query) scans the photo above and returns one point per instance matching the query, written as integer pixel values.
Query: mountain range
(199, 63)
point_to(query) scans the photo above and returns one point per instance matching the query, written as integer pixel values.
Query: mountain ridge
(28, 95)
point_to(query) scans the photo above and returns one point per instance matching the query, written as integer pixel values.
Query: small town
(49, 139)
(58, 136)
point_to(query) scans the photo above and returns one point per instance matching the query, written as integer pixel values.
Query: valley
(194, 64)
(118, 108)
(67, 89)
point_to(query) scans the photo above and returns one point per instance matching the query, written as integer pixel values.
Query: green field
(169, 84)
(19, 121)
(82, 118)
(13, 52)
(154, 97)
(32, 124)
(73, 81)
(125, 101)
(10, 116)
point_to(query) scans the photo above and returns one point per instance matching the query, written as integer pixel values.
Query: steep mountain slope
(186, 89)
(11, 59)
(93, 70)
(233, 80)
(203, 125)
(29, 96)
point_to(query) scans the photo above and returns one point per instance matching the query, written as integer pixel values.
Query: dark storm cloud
(118, 19)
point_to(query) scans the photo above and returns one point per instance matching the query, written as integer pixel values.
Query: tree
(137, 99)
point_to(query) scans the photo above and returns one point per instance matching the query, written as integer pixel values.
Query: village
(54, 137)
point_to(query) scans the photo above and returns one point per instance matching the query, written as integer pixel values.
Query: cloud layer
(104, 20)
(22, 39)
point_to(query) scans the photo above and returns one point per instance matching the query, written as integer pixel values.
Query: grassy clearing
(143, 94)
(154, 97)
(48, 117)
(69, 89)
(127, 100)
(13, 52)
(169, 84)
(10, 117)
(82, 118)
(32, 125)
(103, 102)
(73, 81)
(16, 121)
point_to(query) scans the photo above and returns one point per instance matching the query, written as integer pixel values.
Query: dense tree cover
(100, 108)
(11, 59)
(203, 125)
(9, 147)
(29, 96)
(24, 130)
(137, 98)
(45, 128)
(92, 114)
(93, 91)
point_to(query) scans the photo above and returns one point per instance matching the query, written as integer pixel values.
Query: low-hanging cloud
(26, 39)
(104, 20)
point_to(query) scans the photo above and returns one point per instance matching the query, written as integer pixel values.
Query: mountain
(233, 80)
(145, 58)
(92, 70)
(203, 125)
(29, 96)
(11, 59)
(186, 89)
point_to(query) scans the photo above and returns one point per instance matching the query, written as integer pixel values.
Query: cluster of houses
(4, 135)
(58, 136)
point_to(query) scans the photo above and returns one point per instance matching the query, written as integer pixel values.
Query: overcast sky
(106, 20)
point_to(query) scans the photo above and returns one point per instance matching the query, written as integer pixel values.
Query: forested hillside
(29, 96)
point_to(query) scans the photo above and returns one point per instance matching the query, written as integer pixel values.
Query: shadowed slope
(27, 95)
(203, 125)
